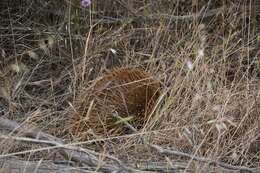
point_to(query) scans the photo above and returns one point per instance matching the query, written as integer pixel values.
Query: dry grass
(208, 66)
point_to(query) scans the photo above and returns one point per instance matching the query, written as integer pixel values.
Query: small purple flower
(85, 3)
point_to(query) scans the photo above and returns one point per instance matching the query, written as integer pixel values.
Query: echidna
(130, 93)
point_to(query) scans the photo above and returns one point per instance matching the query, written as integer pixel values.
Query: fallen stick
(192, 157)
(82, 156)
(88, 158)
(15, 165)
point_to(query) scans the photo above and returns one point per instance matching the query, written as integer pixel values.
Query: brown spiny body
(126, 92)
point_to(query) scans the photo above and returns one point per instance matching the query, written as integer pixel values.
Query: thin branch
(192, 157)
(77, 154)
(201, 159)
(188, 17)
(13, 164)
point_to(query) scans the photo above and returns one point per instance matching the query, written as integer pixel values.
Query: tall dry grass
(208, 64)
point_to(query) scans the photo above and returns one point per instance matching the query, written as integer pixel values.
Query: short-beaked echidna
(129, 93)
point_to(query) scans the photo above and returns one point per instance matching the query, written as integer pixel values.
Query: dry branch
(188, 17)
(203, 159)
(15, 165)
(87, 159)
(84, 157)
(164, 151)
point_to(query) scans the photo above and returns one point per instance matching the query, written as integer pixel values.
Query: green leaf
(126, 119)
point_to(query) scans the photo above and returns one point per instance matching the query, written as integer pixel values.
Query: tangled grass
(205, 54)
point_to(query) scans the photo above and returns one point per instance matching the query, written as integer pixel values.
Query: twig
(77, 154)
(17, 28)
(13, 164)
(192, 157)
(201, 159)
(187, 17)
(88, 157)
